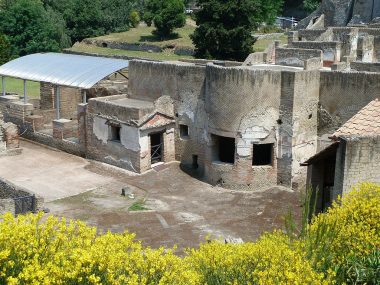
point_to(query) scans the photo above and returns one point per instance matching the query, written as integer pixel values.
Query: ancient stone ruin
(247, 125)
(9, 138)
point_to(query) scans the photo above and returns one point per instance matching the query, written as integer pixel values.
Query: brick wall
(362, 162)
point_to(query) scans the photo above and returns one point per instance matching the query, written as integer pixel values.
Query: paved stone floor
(183, 210)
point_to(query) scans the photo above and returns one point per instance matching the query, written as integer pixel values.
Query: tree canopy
(311, 5)
(30, 28)
(50, 25)
(225, 27)
(165, 14)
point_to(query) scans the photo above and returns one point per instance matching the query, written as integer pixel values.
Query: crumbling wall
(305, 122)
(244, 104)
(297, 57)
(9, 192)
(184, 83)
(124, 153)
(342, 95)
(9, 135)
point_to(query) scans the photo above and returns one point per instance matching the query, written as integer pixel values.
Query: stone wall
(342, 95)
(365, 66)
(242, 103)
(9, 191)
(331, 50)
(362, 162)
(297, 57)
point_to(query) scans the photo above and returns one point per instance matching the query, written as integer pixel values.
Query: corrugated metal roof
(63, 69)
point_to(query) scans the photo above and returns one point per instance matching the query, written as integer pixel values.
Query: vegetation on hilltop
(50, 25)
(338, 247)
(311, 5)
(225, 27)
(166, 16)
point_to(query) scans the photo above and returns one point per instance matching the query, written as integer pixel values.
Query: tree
(311, 5)
(30, 28)
(118, 14)
(84, 19)
(5, 49)
(225, 27)
(165, 14)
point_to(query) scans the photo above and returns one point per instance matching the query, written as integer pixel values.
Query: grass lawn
(17, 86)
(262, 44)
(143, 34)
(134, 54)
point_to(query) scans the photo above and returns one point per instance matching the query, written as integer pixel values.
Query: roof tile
(365, 123)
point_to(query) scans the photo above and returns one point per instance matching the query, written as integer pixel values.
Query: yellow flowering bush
(46, 250)
(271, 260)
(57, 252)
(351, 227)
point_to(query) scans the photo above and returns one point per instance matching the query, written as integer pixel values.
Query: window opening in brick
(184, 131)
(156, 146)
(115, 133)
(224, 149)
(262, 154)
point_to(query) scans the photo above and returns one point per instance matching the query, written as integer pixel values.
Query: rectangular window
(224, 149)
(115, 133)
(184, 131)
(262, 154)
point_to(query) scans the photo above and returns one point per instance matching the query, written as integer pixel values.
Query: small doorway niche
(115, 133)
(184, 131)
(224, 149)
(262, 154)
(156, 147)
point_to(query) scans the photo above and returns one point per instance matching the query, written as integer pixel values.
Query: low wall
(296, 56)
(9, 192)
(180, 50)
(365, 66)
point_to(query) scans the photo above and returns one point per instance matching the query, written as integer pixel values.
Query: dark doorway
(115, 133)
(156, 147)
(195, 161)
(262, 154)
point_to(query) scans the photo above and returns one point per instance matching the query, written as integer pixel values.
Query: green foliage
(134, 18)
(311, 5)
(30, 28)
(362, 270)
(119, 15)
(138, 206)
(85, 19)
(5, 49)
(165, 14)
(50, 25)
(225, 27)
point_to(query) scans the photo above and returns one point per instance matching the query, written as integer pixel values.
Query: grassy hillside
(143, 34)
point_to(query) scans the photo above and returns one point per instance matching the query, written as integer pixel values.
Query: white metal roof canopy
(63, 69)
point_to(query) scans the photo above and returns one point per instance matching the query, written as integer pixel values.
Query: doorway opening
(156, 147)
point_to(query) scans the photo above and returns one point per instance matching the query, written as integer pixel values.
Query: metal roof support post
(58, 101)
(25, 99)
(3, 85)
